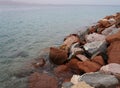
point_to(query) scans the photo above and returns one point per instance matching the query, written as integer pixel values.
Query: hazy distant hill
(6, 2)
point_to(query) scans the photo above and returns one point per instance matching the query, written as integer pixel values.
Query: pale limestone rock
(81, 85)
(74, 79)
(94, 37)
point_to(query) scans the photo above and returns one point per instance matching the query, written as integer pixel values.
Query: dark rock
(100, 80)
(38, 80)
(58, 56)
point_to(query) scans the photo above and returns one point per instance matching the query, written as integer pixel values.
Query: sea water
(26, 30)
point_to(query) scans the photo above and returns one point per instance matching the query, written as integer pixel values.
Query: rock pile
(97, 51)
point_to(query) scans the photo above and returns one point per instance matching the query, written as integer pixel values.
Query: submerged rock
(113, 52)
(100, 80)
(39, 63)
(38, 80)
(63, 72)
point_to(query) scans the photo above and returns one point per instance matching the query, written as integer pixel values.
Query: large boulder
(112, 68)
(114, 37)
(99, 80)
(58, 56)
(96, 46)
(113, 52)
(111, 30)
(88, 66)
(94, 37)
(104, 23)
(38, 80)
(72, 64)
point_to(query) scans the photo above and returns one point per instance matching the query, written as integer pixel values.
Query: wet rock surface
(37, 80)
(58, 56)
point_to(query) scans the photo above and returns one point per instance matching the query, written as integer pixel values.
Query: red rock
(61, 69)
(69, 40)
(104, 23)
(99, 60)
(73, 63)
(113, 52)
(117, 21)
(38, 80)
(58, 56)
(88, 66)
(114, 37)
(108, 17)
(63, 72)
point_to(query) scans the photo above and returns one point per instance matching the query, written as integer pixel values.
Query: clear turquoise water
(25, 30)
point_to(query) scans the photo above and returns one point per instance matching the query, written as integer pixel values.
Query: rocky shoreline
(88, 59)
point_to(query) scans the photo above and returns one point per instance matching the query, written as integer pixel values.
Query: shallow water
(25, 31)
